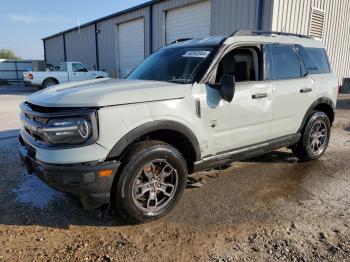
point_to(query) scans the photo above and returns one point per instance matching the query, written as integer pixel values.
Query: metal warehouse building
(119, 42)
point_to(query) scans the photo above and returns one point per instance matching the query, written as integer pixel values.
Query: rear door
(293, 90)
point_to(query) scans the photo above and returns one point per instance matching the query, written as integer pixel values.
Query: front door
(79, 72)
(246, 120)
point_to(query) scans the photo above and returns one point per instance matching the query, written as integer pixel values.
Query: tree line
(8, 54)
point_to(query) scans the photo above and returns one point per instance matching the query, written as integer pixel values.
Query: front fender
(147, 128)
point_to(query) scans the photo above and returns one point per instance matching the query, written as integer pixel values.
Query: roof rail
(180, 40)
(252, 33)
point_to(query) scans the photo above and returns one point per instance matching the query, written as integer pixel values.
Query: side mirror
(228, 84)
(226, 87)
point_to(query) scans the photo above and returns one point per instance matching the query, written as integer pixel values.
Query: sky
(24, 23)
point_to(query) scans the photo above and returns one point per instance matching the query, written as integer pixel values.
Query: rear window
(315, 60)
(63, 67)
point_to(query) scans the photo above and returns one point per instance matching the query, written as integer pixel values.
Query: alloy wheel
(155, 186)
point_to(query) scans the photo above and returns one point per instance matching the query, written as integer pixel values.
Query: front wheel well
(173, 138)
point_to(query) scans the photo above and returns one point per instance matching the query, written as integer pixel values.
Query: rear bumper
(80, 180)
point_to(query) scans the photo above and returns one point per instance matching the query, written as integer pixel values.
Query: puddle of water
(34, 192)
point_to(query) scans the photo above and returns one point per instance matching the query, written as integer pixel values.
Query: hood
(107, 92)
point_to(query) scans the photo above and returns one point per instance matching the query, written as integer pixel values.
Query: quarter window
(315, 59)
(286, 64)
(320, 57)
(309, 62)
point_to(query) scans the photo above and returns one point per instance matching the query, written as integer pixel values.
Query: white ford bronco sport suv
(192, 105)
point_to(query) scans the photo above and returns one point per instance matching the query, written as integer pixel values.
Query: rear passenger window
(286, 64)
(320, 57)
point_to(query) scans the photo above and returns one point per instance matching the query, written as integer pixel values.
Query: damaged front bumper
(81, 180)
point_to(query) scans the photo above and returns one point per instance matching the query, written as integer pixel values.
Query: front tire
(315, 137)
(151, 182)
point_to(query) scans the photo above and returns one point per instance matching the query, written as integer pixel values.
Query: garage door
(131, 45)
(191, 21)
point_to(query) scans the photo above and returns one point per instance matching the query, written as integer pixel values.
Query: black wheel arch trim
(319, 101)
(50, 78)
(153, 126)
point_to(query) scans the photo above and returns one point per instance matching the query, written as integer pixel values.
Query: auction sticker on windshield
(196, 53)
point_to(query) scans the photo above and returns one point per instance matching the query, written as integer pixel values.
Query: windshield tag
(197, 54)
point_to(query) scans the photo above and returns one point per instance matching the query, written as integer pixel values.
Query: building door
(131, 45)
(192, 21)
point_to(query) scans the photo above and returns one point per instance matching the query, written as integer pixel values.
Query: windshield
(176, 65)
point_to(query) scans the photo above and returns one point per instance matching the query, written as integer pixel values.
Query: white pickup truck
(68, 72)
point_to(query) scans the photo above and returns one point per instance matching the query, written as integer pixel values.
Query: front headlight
(76, 130)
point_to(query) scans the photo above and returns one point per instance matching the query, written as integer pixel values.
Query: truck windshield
(176, 65)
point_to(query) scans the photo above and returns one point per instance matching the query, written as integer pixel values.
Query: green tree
(8, 54)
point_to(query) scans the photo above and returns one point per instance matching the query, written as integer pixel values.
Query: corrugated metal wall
(229, 16)
(80, 46)
(54, 50)
(107, 38)
(159, 16)
(294, 16)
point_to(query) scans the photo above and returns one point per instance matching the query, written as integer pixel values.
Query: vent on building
(316, 23)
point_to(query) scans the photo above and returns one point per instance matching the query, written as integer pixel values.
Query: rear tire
(314, 138)
(152, 180)
(48, 83)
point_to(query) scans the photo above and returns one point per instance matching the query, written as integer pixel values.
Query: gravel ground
(270, 208)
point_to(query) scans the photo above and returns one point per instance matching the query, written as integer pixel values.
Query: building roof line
(134, 8)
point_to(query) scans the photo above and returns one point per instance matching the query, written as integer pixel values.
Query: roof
(206, 41)
(279, 39)
(149, 3)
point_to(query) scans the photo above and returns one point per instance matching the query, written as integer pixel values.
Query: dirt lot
(270, 208)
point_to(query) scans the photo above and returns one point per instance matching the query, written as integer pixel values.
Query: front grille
(33, 121)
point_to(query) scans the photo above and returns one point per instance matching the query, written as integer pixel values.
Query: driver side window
(242, 63)
(76, 67)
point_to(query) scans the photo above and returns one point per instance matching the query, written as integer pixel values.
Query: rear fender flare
(319, 101)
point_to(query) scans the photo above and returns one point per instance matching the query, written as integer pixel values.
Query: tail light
(30, 76)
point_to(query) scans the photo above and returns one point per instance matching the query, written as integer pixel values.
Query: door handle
(305, 90)
(259, 96)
